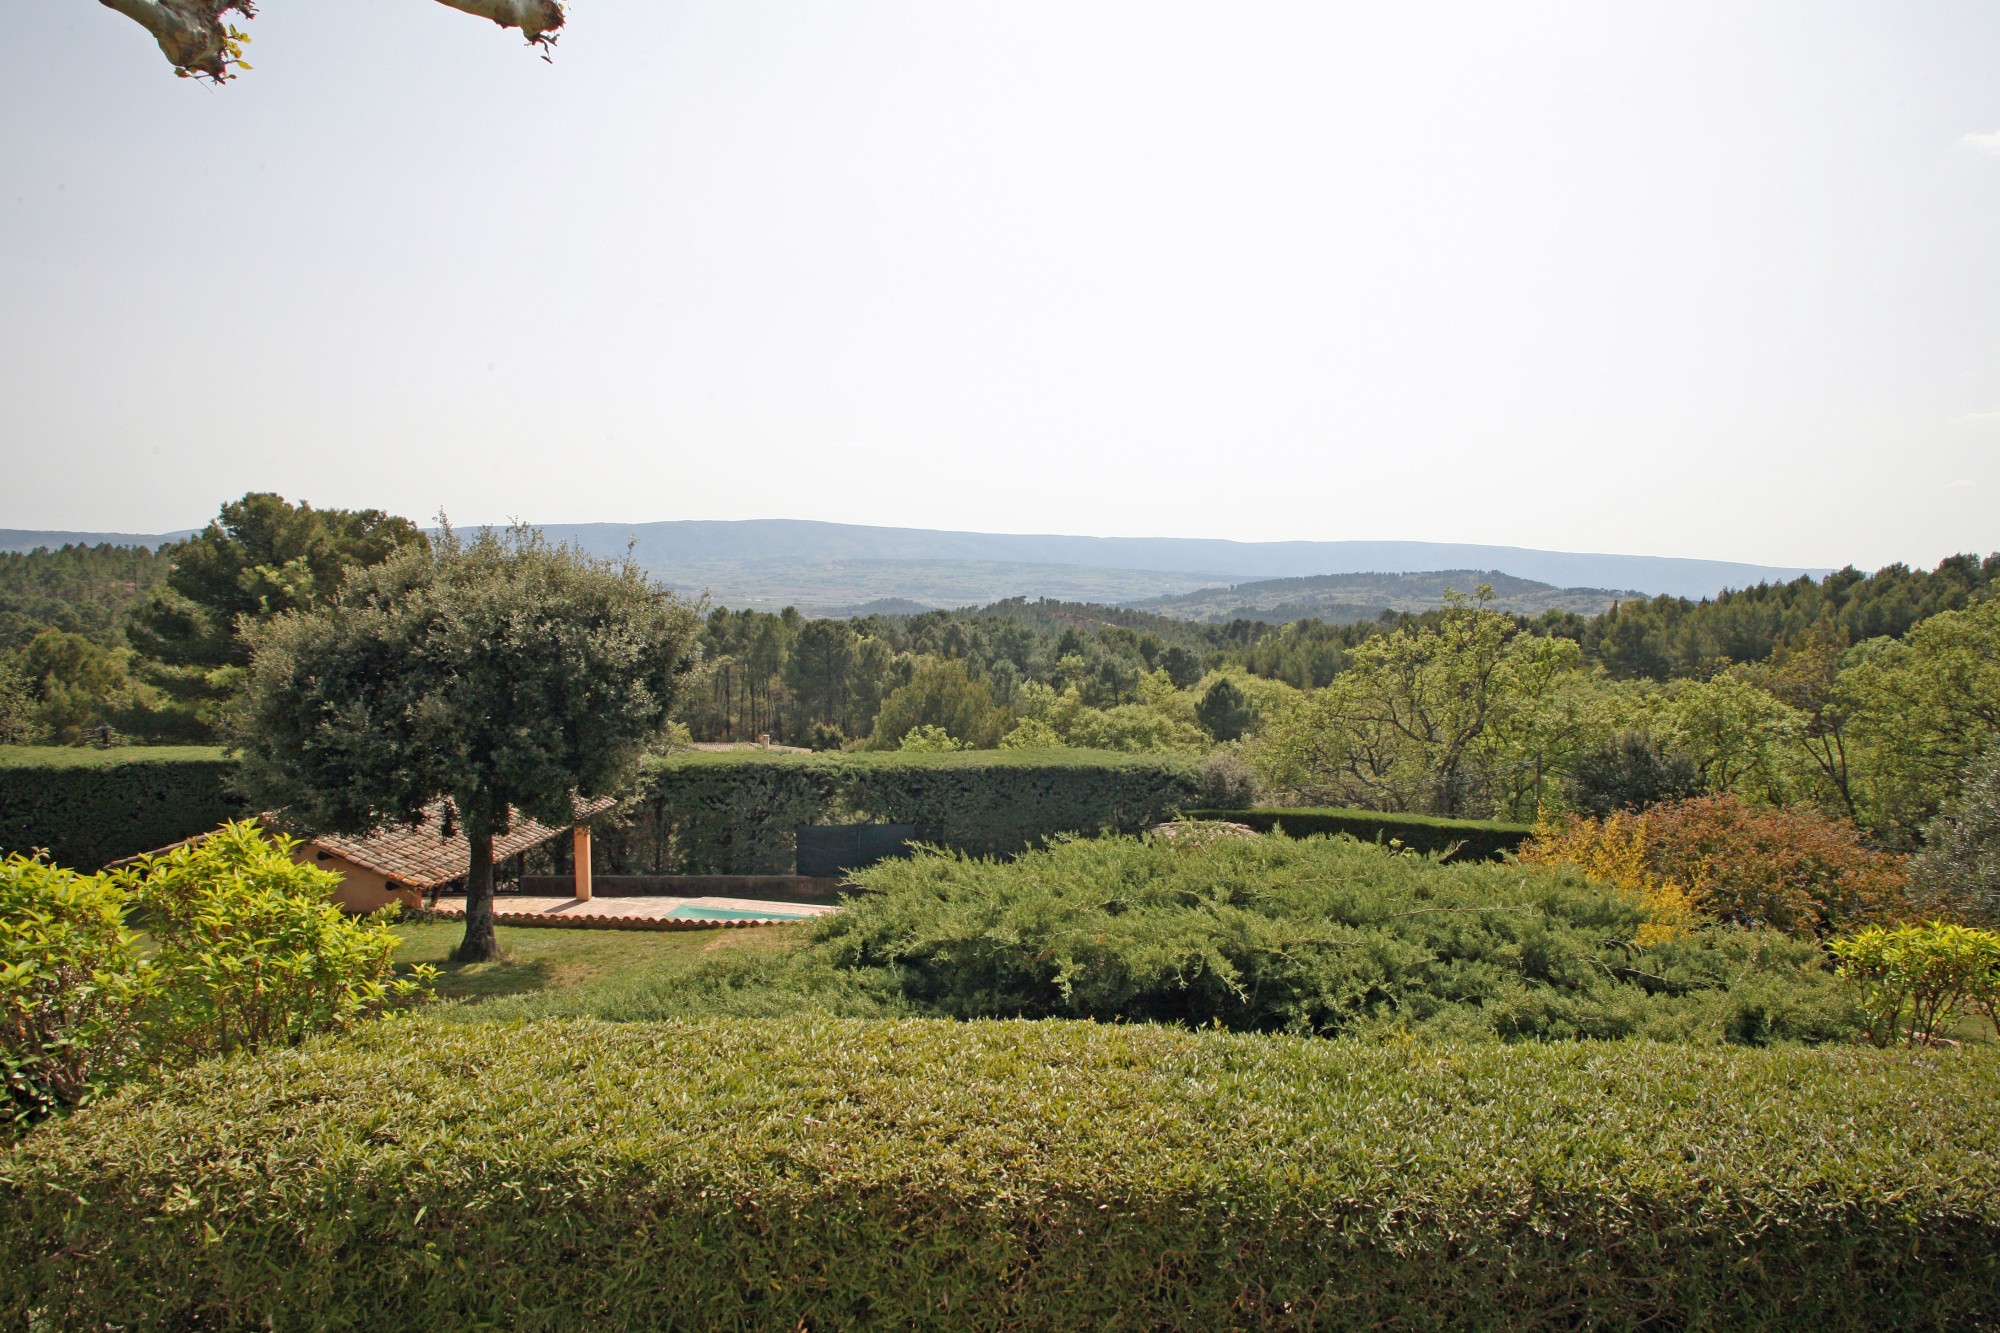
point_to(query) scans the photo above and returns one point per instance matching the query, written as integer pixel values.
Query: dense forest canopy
(1666, 637)
(87, 590)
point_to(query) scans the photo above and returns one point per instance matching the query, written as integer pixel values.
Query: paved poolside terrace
(647, 912)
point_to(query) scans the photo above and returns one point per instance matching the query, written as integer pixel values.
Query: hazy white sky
(1692, 279)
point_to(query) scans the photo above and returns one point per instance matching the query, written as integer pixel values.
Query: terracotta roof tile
(417, 857)
(423, 858)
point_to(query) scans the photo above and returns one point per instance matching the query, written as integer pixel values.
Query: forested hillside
(64, 661)
(78, 589)
(1863, 695)
(1672, 636)
(106, 644)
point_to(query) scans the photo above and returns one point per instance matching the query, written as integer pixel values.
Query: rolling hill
(1346, 598)
(777, 562)
(737, 557)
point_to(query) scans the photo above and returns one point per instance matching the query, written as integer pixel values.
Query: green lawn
(625, 974)
(82, 756)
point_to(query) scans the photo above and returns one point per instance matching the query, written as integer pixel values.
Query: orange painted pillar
(580, 837)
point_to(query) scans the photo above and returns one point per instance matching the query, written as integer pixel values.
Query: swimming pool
(690, 913)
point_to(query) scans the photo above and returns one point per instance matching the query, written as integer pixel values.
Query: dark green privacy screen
(835, 849)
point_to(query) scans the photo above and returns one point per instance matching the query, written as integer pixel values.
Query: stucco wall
(361, 889)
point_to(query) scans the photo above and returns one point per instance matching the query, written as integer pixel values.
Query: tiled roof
(423, 858)
(419, 857)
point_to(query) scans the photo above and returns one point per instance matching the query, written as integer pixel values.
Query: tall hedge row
(91, 806)
(723, 813)
(839, 1174)
(1465, 839)
(735, 812)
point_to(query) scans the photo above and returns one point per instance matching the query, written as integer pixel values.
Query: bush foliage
(1630, 771)
(87, 807)
(818, 1173)
(71, 989)
(1459, 839)
(1786, 868)
(1915, 981)
(1322, 936)
(244, 950)
(250, 951)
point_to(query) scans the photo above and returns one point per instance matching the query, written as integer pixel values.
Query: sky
(1717, 280)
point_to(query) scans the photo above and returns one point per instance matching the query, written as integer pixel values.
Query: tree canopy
(502, 676)
(260, 557)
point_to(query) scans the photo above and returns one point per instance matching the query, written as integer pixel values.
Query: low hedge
(1472, 838)
(91, 806)
(735, 812)
(825, 1173)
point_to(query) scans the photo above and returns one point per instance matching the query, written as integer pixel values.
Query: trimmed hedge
(735, 812)
(823, 1173)
(698, 813)
(1473, 838)
(91, 806)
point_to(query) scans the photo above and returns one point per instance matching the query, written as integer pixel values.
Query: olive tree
(1958, 870)
(199, 41)
(502, 676)
(1422, 717)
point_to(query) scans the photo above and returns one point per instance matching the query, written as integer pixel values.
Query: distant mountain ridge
(1347, 598)
(669, 548)
(27, 539)
(774, 562)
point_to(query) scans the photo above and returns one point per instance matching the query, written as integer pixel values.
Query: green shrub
(1915, 981)
(250, 950)
(735, 812)
(1321, 936)
(71, 987)
(1463, 839)
(830, 1174)
(87, 807)
(246, 950)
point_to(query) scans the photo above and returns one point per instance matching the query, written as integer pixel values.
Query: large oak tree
(502, 675)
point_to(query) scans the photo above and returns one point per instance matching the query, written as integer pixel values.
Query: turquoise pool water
(735, 914)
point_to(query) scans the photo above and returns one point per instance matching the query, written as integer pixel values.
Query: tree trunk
(480, 943)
